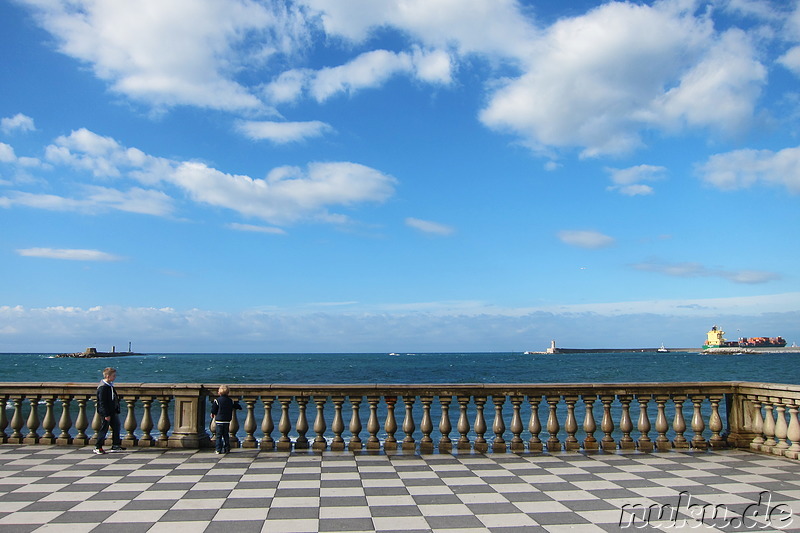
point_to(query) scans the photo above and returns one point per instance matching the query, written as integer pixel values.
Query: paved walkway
(49, 488)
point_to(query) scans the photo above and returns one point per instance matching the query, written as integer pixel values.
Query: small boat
(662, 349)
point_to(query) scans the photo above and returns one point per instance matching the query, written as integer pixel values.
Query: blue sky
(425, 175)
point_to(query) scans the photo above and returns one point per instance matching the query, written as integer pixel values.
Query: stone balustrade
(422, 418)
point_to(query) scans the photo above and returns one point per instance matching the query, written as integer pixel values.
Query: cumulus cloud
(629, 181)
(588, 239)
(168, 53)
(69, 254)
(698, 270)
(282, 132)
(18, 122)
(427, 226)
(741, 169)
(597, 80)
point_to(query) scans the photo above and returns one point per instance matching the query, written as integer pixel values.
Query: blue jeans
(113, 423)
(223, 437)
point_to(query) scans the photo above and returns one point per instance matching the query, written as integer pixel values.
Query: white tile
(345, 512)
(377, 483)
(341, 491)
(295, 501)
(241, 514)
(67, 497)
(398, 524)
(37, 517)
(41, 487)
(304, 525)
(59, 528)
(252, 493)
(482, 497)
(417, 490)
(506, 520)
(583, 528)
(171, 527)
(199, 503)
(542, 507)
(214, 485)
(10, 507)
(100, 505)
(261, 477)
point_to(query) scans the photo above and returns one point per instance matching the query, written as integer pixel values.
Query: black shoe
(118, 449)
(99, 451)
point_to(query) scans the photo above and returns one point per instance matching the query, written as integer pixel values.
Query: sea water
(491, 367)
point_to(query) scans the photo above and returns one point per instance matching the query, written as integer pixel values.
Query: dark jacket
(222, 408)
(107, 400)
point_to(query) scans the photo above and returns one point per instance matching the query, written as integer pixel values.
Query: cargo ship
(715, 339)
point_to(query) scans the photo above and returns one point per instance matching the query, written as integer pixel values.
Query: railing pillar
(781, 429)
(571, 425)
(758, 425)
(355, 424)
(64, 423)
(793, 433)
(698, 425)
(662, 426)
(553, 444)
(408, 424)
(164, 423)
(81, 424)
(517, 444)
(267, 425)
(480, 444)
(499, 425)
(130, 425)
(679, 423)
(337, 445)
(16, 422)
(626, 424)
(445, 427)
(463, 424)
(390, 425)
(320, 444)
(189, 416)
(373, 426)
(146, 440)
(607, 424)
(284, 426)
(33, 421)
(49, 422)
(426, 425)
(715, 423)
(645, 444)
(589, 425)
(301, 443)
(250, 424)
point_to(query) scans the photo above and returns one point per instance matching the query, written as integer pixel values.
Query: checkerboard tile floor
(48, 488)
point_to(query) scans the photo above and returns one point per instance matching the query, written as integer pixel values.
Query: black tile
(346, 524)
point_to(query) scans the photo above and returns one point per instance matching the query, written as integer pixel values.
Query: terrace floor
(46, 488)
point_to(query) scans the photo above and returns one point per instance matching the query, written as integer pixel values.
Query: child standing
(222, 412)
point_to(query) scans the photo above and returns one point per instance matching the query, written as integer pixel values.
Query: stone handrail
(520, 418)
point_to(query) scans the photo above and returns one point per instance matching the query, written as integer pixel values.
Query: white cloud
(628, 181)
(426, 226)
(740, 169)
(282, 132)
(18, 122)
(169, 53)
(7, 154)
(257, 229)
(585, 239)
(597, 80)
(68, 254)
(288, 193)
(696, 270)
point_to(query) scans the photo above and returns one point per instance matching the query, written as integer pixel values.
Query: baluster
(607, 443)
(233, 429)
(463, 424)
(571, 425)
(535, 425)
(480, 426)
(781, 429)
(373, 426)
(355, 424)
(626, 424)
(390, 426)
(267, 425)
(662, 426)
(97, 423)
(517, 444)
(250, 424)
(130, 423)
(301, 443)
(81, 424)
(679, 423)
(758, 425)
(16, 422)
(553, 444)
(408, 424)
(3, 420)
(769, 427)
(643, 424)
(146, 440)
(499, 425)
(284, 425)
(49, 423)
(320, 444)
(163, 422)
(426, 425)
(337, 444)
(445, 427)
(33, 421)
(793, 433)
(698, 425)
(589, 424)
(715, 423)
